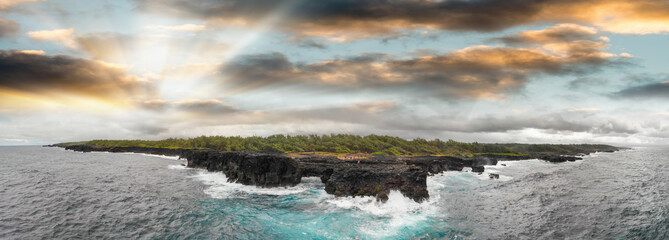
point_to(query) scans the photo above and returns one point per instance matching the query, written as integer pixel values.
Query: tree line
(348, 143)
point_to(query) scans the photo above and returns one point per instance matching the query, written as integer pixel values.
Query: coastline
(375, 176)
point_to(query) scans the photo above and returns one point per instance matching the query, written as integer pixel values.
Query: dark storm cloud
(319, 18)
(645, 78)
(652, 90)
(474, 72)
(33, 72)
(258, 69)
(343, 20)
(8, 28)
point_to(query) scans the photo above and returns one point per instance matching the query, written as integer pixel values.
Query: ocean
(50, 193)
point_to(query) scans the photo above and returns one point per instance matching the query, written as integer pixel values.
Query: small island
(348, 165)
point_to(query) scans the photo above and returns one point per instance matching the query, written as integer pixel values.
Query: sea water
(48, 193)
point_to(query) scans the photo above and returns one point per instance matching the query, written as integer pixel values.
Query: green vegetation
(71, 143)
(507, 154)
(347, 143)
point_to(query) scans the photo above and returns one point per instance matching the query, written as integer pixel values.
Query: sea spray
(220, 187)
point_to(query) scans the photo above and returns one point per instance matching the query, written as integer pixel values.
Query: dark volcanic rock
(368, 177)
(147, 150)
(494, 158)
(558, 158)
(378, 181)
(438, 164)
(478, 169)
(374, 176)
(249, 168)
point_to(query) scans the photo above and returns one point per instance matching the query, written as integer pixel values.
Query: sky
(530, 71)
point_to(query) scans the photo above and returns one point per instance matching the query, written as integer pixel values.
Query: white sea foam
(397, 213)
(148, 155)
(160, 156)
(390, 218)
(177, 167)
(219, 187)
(396, 204)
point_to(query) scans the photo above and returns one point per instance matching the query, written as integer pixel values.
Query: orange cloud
(5, 4)
(478, 72)
(62, 36)
(351, 20)
(59, 79)
(8, 28)
(141, 50)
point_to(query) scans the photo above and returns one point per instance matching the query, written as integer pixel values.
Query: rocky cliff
(375, 176)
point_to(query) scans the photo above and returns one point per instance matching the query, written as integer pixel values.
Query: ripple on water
(52, 193)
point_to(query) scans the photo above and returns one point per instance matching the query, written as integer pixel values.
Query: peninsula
(348, 165)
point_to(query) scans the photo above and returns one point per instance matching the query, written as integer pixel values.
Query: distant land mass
(348, 165)
(347, 144)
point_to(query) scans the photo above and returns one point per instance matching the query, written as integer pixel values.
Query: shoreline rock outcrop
(375, 176)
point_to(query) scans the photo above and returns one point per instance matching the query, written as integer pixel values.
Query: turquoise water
(307, 212)
(50, 193)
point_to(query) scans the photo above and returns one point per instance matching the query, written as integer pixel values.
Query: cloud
(556, 34)
(351, 20)
(154, 104)
(549, 122)
(6, 4)
(583, 110)
(391, 116)
(106, 46)
(60, 78)
(207, 107)
(310, 43)
(580, 42)
(585, 82)
(62, 36)
(376, 106)
(112, 47)
(179, 28)
(251, 71)
(8, 28)
(396, 118)
(477, 72)
(627, 55)
(651, 90)
(136, 50)
(148, 129)
(35, 52)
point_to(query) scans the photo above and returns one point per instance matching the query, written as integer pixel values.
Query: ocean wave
(160, 156)
(397, 204)
(219, 187)
(178, 167)
(391, 218)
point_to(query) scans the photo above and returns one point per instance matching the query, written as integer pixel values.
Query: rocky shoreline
(375, 176)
